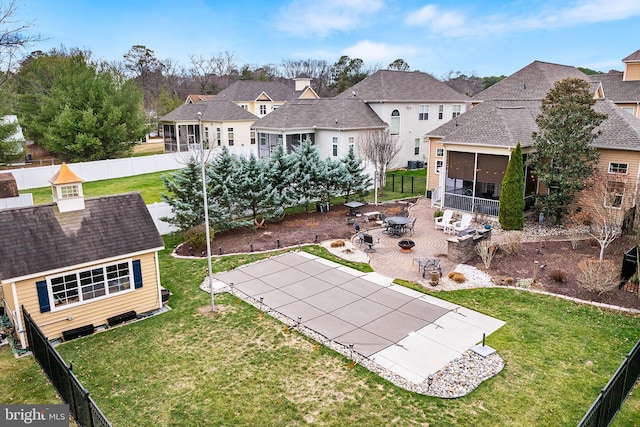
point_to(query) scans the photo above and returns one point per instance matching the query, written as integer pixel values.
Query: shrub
(438, 213)
(337, 243)
(574, 237)
(597, 276)
(509, 281)
(486, 250)
(196, 237)
(457, 277)
(558, 275)
(512, 242)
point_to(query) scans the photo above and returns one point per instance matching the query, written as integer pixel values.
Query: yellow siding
(632, 72)
(7, 291)
(141, 300)
(308, 95)
(632, 159)
(433, 179)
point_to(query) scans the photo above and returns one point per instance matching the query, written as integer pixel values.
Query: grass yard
(240, 367)
(149, 185)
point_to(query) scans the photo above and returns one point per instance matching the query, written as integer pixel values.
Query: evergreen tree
(185, 195)
(357, 181)
(335, 178)
(308, 173)
(511, 214)
(222, 191)
(256, 194)
(279, 175)
(565, 154)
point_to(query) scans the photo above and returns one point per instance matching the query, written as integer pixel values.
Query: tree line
(248, 191)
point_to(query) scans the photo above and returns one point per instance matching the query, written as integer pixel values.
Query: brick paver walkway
(390, 261)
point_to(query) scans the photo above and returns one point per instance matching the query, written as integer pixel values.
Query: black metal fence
(608, 403)
(406, 184)
(82, 407)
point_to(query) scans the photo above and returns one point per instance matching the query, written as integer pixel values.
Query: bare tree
(13, 38)
(605, 195)
(317, 69)
(203, 71)
(380, 148)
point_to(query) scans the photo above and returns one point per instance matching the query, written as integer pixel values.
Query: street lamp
(206, 212)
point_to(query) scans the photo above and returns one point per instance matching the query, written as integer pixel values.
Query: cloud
(320, 18)
(579, 12)
(371, 52)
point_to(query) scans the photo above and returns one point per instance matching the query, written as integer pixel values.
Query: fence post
(412, 185)
(402, 183)
(393, 182)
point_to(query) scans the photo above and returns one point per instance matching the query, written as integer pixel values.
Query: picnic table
(398, 223)
(353, 207)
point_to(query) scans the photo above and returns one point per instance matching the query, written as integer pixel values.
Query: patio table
(353, 207)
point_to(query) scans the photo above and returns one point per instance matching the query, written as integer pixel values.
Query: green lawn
(239, 367)
(149, 185)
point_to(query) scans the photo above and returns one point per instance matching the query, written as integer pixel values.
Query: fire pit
(406, 245)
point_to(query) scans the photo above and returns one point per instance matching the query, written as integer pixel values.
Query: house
(195, 98)
(332, 124)
(224, 123)
(227, 117)
(261, 98)
(76, 264)
(469, 155)
(623, 88)
(412, 103)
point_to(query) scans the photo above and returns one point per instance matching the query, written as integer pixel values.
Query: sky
(474, 37)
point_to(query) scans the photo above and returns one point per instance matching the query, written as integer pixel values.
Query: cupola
(66, 187)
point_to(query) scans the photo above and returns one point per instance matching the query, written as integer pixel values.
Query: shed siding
(632, 72)
(141, 300)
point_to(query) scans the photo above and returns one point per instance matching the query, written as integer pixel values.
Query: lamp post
(206, 212)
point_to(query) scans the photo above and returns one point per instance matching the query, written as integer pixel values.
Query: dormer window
(69, 191)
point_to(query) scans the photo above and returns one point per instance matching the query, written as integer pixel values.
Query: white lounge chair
(444, 220)
(463, 224)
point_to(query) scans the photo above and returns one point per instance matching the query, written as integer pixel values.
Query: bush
(486, 250)
(438, 213)
(457, 277)
(558, 275)
(337, 243)
(196, 237)
(597, 276)
(512, 242)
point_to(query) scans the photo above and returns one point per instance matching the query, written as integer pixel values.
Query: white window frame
(230, 139)
(440, 152)
(618, 168)
(395, 123)
(439, 164)
(252, 135)
(334, 151)
(440, 111)
(416, 147)
(618, 194)
(351, 144)
(263, 109)
(457, 109)
(70, 191)
(107, 291)
(423, 112)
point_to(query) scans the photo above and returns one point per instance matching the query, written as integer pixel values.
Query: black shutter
(137, 274)
(43, 296)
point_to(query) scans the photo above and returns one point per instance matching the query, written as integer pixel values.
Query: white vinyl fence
(159, 210)
(36, 177)
(17, 202)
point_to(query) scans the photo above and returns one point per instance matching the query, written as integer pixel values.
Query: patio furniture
(397, 225)
(410, 227)
(463, 224)
(353, 207)
(375, 215)
(368, 240)
(445, 219)
(429, 265)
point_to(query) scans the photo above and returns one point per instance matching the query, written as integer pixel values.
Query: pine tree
(185, 195)
(357, 181)
(307, 173)
(279, 175)
(222, 190)
(511, 214)
(256, 194)
(564, 155)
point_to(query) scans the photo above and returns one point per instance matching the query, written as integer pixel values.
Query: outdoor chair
(463, 224)
(444, 220)
(390, 225)
(368, 240)
(409, 227)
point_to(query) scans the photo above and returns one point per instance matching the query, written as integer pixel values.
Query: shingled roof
(249, 90)
(38, 239)
(634, 57)
(529, 83)
(616, 89)
(505, 123)
(402, 86)
(216, 110)
(328, 113)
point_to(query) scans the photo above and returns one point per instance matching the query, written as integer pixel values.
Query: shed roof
(65, 176)
(37, 239)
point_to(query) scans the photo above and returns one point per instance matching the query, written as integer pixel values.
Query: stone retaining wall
(462, 249)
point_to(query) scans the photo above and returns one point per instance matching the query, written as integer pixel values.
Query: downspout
(475, 177)
(155, 258)
(17, 315)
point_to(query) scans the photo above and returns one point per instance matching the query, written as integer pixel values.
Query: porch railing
(471, 204)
